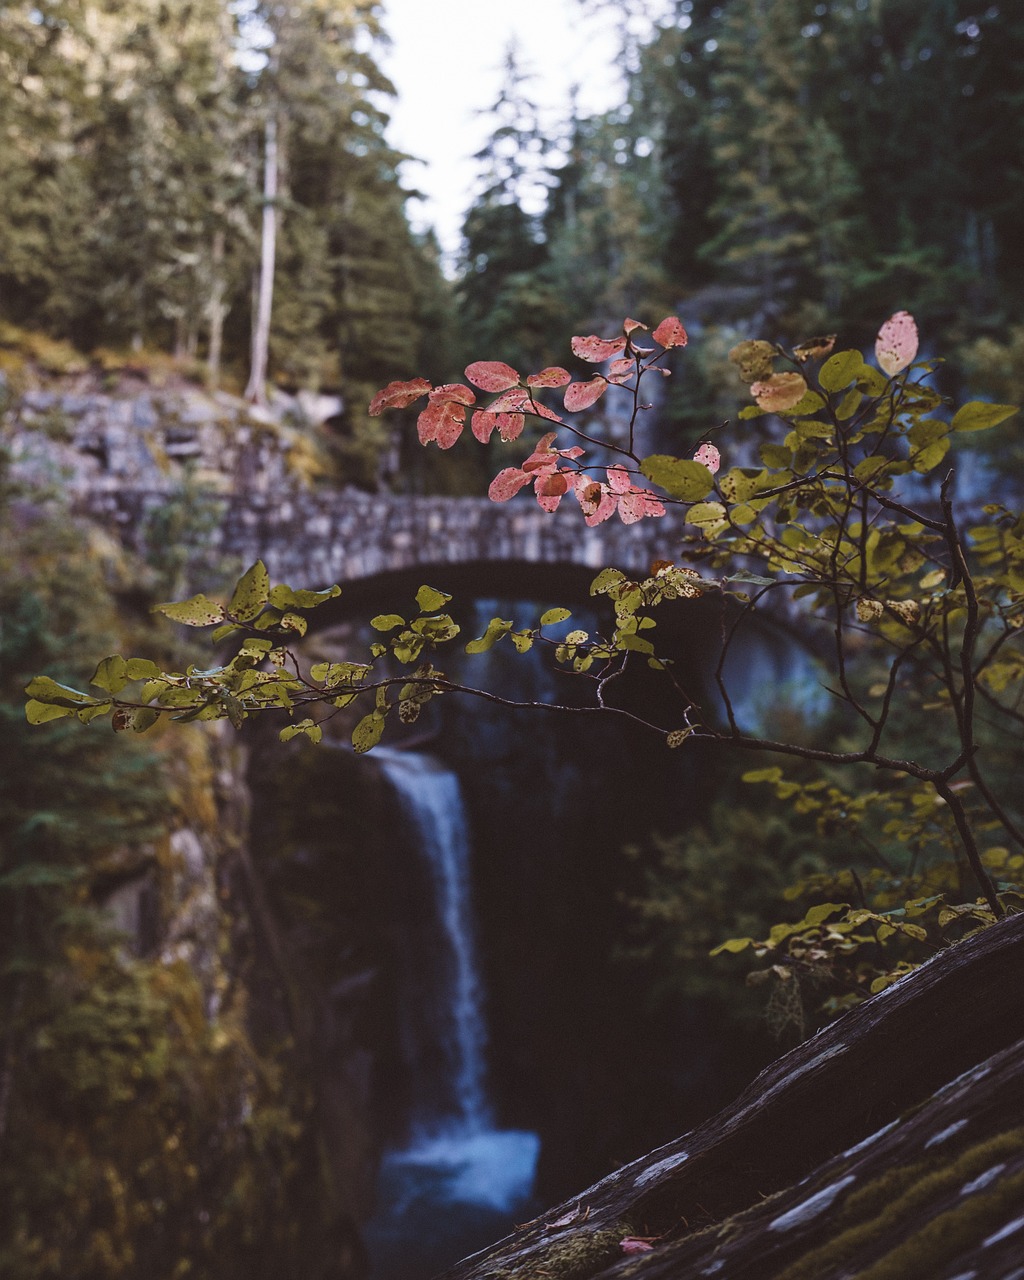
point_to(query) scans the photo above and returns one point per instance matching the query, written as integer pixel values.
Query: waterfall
(459, 1177)
(432, 802)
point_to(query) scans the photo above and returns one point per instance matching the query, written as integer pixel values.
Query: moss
(876, 1209)
(573, 1257)
(922, 1255)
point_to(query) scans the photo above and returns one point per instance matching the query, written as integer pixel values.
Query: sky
(445, 62)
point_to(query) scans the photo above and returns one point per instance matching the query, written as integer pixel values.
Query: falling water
(452, 1187)
(432, 801)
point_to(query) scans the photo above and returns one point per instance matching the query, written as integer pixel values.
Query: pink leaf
(555, 376)
(483, 425)
(636, 504)
(594, 350)
(510, 426)
(896, 344)
(506, 484)
(398, 395)
(629, 325)
(453, 391)
(634, 1244)
(441, 421)
(514, 401)
(553, 485)
(581, 395)
(670, 333)
(492, 375)
(708, 456)
(620, 371)
(618, 480)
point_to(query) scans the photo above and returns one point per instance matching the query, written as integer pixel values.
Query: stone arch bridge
(313, 538)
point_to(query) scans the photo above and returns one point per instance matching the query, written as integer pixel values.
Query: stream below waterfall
(457, 1180)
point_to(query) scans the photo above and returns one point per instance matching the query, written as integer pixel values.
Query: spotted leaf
(492, 375)
(896, 344)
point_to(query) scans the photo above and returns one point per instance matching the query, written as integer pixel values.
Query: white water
(455, 1155)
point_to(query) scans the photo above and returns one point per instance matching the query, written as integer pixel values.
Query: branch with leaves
(836, 520)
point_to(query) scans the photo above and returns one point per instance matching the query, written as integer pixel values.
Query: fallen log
(888, 1146)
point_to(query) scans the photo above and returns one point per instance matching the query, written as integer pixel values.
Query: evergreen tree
(785, 192)
(502, 301)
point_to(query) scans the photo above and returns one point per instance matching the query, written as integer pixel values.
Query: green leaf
(387, 622)
(282, 597)
(607, 580)
(40, 712)
(775, 455)
(222, 633)
(251, 593)
(774, 774)
(43, 689)
(308, 727)
(706, 513)
(679, 477)
(368, 732)
(142, 718)
(927, 459)
(142, 669)
(979, 415)
(430, 600)
(869, 467)
(196, 612)
(552, 616)
(817, 915)
(88, 714)
(111, 674)
(840, 370)
(496, 628)
(734, 945)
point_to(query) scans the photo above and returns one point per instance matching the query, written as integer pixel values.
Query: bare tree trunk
(256, 391)
(216, 310)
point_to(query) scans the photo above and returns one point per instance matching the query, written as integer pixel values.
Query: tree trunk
(889, 1146)
(216, 310)
(256, 390)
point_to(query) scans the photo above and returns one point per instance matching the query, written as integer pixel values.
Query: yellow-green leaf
(252, 592)
(679, 477)
(979, 415)
(195, 612)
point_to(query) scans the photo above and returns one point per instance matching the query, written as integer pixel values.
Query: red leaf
(670, 333)
(620, 371)
(553, 485)
(442, 421)
(483, 425)
(629, 325)
(594, 350)
(492, 375)
(511, 402)
(552, 377)
(506, 484)
(398, 395)
(510, 426)
(581, 395)
(634, 1244)
(896, 344)
(520, 401)
(454, 391)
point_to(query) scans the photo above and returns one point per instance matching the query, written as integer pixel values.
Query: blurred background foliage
(776, 169)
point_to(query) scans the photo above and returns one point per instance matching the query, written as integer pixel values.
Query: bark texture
(887, 1147)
